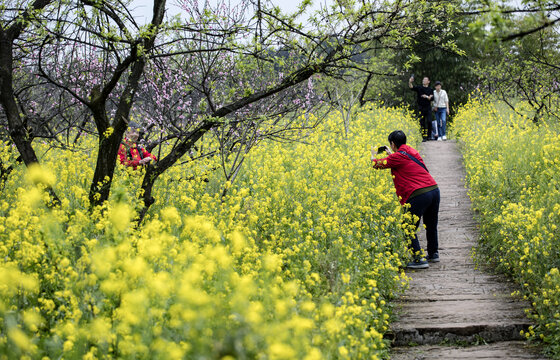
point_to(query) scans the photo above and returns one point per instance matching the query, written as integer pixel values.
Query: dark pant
(426, 206)
(426, 122)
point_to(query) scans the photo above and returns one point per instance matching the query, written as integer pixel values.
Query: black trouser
(426, 122)
(426, 206)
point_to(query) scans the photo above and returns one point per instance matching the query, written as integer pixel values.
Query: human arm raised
(380, 163)
(146, 156)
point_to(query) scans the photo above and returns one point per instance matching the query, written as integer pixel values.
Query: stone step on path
(453, 310)
(501, 350)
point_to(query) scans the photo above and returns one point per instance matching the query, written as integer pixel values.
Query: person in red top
(416, 187)
(130, 154)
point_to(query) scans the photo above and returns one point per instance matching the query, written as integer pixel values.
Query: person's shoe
(439, 139)
(444, 137)
(434, 258)
(419, 263)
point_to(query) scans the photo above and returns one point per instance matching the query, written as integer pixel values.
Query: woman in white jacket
(441, 109)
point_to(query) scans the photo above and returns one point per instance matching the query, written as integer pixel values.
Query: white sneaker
(439, 139)
(444, 137)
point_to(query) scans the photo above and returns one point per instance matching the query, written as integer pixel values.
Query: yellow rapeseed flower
(37, 174)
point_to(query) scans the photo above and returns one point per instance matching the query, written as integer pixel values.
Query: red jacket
(408, 176)
(131, 154)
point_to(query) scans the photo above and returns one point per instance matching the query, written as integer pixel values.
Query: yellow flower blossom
(37, 174)
(519, 230)
(120, 216)
(21, 340)
(108, 132)
(292, 263)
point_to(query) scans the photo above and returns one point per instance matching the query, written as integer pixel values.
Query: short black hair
(397, 137)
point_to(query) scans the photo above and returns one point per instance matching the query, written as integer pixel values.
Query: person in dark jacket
(417, 190)
(424, 97)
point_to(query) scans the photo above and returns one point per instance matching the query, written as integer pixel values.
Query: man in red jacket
(417, 188)
(130, 154)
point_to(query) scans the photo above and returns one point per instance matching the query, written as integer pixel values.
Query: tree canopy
(239, 72)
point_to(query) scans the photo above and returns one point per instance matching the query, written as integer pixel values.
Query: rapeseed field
(299, 260)
(513, 172)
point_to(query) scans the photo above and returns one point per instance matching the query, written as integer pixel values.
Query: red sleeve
(146, 153)
(124, 160)
(379, 163)
(392, 161)
(122, 154)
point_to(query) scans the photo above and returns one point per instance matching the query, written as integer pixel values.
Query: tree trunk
(18, 132)
(109, 146)
(105, 168)
(154, 171)
(147, 187)
(4, 173)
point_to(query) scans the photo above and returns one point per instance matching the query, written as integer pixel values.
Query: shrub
(513, 172)
(298, 260)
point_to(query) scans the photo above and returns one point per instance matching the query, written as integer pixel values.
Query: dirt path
(452, 310)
